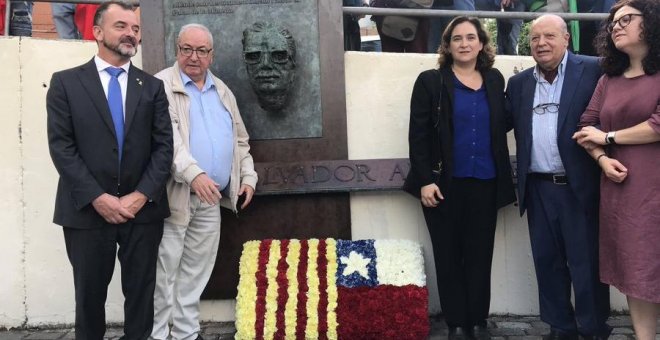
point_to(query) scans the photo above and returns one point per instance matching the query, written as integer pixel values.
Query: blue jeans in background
(508, 30)
(20, 23)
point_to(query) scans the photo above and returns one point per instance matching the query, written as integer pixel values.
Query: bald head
(548, 40)
(552, 19)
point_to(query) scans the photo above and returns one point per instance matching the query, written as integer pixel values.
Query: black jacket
(83, 146)
(430, 134)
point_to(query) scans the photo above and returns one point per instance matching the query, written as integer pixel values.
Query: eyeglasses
(201, 52)
(278, 57)
(547, 107)
(623, 21)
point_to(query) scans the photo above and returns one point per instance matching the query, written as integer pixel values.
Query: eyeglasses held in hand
(623, 21)
(278, 57)
(547, 107)
(201, 52)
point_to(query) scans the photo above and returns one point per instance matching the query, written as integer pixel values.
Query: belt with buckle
(559, 179)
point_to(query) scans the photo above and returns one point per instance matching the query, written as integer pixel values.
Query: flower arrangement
(332, 289)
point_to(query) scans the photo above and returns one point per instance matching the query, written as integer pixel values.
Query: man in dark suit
(558, 181)
(110, 138)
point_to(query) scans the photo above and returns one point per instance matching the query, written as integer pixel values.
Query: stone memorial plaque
(267, 51)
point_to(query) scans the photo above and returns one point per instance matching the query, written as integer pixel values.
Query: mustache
(129, 40)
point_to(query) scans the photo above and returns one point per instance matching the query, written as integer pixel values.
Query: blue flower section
(355, 260)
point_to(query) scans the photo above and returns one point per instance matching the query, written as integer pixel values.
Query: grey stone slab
(620, 321)
(46, 335)
(513, 325)
(622, 330)
(537, 331)
(221, 328)
(113, 333)
(526, 337)
(506, 332)
(70, 335)
(540, 324)
(13, 335)
(619, 337)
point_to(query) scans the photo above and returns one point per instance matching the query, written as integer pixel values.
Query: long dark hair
(615, 62)
(485, 58)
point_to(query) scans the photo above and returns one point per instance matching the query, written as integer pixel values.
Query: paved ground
(501, 327)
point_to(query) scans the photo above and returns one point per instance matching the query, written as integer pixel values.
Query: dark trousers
(564, 239)
(92, 255)
(462, 230)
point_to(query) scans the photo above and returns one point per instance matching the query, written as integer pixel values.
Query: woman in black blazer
(460, 162)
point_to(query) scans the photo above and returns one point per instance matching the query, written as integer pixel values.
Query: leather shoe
(480, 333)
(457, 333)
(557, 335)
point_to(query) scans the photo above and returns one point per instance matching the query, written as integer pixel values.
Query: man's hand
(111, 209)
(431, 195)
(207, 190)
(613, 169)
(133, 202)
(248, 191)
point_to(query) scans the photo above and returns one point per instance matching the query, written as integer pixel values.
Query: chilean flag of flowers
(332, 289)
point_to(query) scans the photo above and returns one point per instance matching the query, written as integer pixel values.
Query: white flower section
(355, 263)
(399, 263)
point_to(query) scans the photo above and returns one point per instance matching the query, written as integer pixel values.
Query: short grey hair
(187, 27)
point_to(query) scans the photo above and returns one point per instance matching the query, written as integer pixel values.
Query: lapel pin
(139, 81)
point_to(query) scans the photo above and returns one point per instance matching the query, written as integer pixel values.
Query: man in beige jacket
(212, 167)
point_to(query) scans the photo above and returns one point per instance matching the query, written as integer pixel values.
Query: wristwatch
(609, 138)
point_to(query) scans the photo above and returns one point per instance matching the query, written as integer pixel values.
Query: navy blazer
(431, 131)
(83, 145)
(580, 79)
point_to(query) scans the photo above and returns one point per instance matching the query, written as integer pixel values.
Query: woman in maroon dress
(622, 132)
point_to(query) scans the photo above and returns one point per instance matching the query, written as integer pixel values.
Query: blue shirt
(473, 156)
(211, 134)
(545, 153)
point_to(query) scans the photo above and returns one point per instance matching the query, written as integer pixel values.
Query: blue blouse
(472, 149)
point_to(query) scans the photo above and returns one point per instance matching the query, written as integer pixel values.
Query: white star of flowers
(355, 263)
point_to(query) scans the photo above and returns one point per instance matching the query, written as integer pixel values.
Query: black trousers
(92, 255)
(462, 230)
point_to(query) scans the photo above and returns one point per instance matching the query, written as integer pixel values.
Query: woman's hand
(589, 137)
(431, 195)
(613, 169)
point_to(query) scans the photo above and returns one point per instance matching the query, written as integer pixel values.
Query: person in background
(558, 182)
(20, 20)
(352, 40)
(622, 133)
(460, 162)
(415, 29)
(508, 30)
(212, 167)
(63, 18)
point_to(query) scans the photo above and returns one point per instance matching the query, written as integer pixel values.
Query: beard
(121, 49)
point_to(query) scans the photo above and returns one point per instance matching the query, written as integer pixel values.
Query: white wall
(37, 288)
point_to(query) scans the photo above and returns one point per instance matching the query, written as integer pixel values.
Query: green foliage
(491, 27)
(523, 40)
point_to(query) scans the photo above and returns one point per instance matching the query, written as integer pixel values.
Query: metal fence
(389, 11)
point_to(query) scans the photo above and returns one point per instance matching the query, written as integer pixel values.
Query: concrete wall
(37, 289)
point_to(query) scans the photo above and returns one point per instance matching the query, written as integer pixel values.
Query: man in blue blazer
(558, 181)
(110, 139)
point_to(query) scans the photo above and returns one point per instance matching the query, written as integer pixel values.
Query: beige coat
(184, 167)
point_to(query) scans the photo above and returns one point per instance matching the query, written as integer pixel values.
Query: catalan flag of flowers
(332, 289)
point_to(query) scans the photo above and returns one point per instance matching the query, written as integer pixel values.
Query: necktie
(116, 105)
